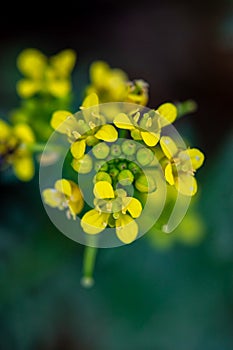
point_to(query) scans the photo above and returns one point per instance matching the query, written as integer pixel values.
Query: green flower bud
(145, 156)
(82, 165)
(91, 141)
(136, 134)
(122, 165)
(101, 165)
(134, 168)
(102, 176)
(129, 147)
(125, 177)
(101, 150)
(145, 184)
(113, 172)
(115, 150)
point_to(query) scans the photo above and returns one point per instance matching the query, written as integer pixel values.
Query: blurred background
(147, 295)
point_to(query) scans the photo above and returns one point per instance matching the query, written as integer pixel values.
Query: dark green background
(144, 298)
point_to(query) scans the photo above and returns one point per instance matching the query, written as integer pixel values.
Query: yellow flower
(181, 166)
(65, 195)
(109, 84)
(45, 75)
(148, 127)
(82, 133)
(15, 149)
(113, 208)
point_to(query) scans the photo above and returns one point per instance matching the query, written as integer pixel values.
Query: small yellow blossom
(113, 208)
(82, 133)
(181, 165)
(148, 127)
(15, 144)
(65, 195)
(109, 84)
(45, 75)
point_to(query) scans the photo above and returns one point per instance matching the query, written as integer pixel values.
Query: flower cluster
(15, 149)
(121, 150)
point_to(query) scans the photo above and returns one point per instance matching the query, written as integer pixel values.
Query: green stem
(88, 266)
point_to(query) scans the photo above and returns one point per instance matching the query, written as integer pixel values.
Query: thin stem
(88, 266)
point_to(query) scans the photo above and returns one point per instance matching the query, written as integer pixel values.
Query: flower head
(181, 165)
(15, 142)
(45, 75)
(65, 195)
(82, 133)
(113, 209)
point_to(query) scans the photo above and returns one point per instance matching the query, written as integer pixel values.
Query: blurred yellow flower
(15, 150)
(45, 75)
(113, 208)
(65, 195)
(181, 166)
(109, 84)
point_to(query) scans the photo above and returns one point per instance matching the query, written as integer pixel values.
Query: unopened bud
(145, 184)
(101, 150)
(134, 168)
(145, 156)
(129, 147)
(102, 176)
(125, 177)
(115, 150)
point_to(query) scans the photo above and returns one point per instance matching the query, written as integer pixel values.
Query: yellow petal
(31, 62)
(133, 206)
(107, 133)
(63, 186)
(168, 146)
(98, 72)
(51, 197)
(186, 184)
(58, 118)
(196, 157)
(27, 88)
(78, 149)
(103, 190)
(24, 133)
(94, 222)
(122, 121)
(76, 193)
(168, 111)
(64, 62)
(24, 168)
(90, 100)
(59, 88)
(126, 229)
(169, 174)
(150, 139)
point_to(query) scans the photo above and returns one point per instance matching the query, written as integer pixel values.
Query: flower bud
(114, 172)
(115, 150)
(100, 165)
(122, 165)
(101, 150)
(145, 184)
(145, 156)
(102, 176)
(134, 168)
(129, 147)
(125, 177)
(82, 165)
